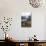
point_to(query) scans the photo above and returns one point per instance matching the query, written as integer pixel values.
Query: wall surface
(14, 8)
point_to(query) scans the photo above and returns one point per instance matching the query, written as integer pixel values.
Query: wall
(45, 28)
(37, 19)
(12, 8)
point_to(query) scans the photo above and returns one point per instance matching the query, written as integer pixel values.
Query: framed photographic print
(26, 20)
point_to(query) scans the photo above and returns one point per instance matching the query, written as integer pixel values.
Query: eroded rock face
(35, 3)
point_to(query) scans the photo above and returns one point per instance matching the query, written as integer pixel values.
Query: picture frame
(26, 20)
